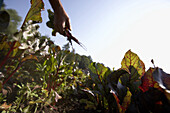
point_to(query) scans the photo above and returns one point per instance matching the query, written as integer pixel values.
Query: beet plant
(128, 89)
(35, 74)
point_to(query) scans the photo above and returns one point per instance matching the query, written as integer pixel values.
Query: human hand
(61, 19)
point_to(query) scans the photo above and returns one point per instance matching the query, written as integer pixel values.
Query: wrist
(55, 4)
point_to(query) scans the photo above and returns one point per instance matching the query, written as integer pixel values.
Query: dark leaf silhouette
(4, 20)
(162, 78)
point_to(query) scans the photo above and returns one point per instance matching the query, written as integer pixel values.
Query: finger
(61, 31)
(67, 24)
(58, 26)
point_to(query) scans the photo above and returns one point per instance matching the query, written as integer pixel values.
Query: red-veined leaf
(4, 106)
(29, 57)
(117, 100)
(136, 68)
(131, 59)
(157, 78)
(15, 50)
(3, 45)
(147, 80)
(34, 12)
(126, 101)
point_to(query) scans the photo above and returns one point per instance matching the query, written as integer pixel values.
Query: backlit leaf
(157, 78)
(34, 12)
(147, 80)
(131, 59)
(45, 92)
(97, 70)
(126, 101)
(29, 57)
(136, 69)
(167, 94)
(4, 20)
(3, 45)
(26, 109)
(117, 100)
(15, 50)
(34, 102)
(4, 106)
(3, 42)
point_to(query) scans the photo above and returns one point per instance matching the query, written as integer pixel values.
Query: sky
(109, 28)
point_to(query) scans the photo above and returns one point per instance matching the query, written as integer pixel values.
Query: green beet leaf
(34, 12)
(131, 59)
(135, 68)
